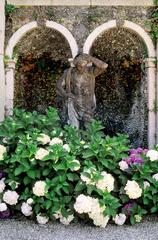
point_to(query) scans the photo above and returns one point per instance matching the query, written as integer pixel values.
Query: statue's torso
(82, 87)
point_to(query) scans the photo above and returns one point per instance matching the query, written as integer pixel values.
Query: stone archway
(9, 90)
(150, 65)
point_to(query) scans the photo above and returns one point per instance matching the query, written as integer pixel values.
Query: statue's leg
(87, 118)
(72, 115)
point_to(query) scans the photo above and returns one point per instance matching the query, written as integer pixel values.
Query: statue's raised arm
(98, 65)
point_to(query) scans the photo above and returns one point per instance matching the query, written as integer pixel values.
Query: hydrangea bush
(52, 173)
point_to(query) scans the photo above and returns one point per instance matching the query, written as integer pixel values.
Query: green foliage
(34, 15)
(154, 23)
(92, 18)
(9, 9)
(24, 123)
(72, 163)
(50, 12)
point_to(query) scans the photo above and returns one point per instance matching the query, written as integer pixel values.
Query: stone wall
(124, 108)
(81, 21)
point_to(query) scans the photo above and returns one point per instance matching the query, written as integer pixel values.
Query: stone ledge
(122, 2)
(82, 2)
(50, 2)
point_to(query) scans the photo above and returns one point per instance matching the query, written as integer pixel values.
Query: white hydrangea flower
(107, 183)
(2, 151)
(39, 188)
(43, 138)
(82, 142)
(66, 221)
(14, 182)
(56, 140)
(4, 140)
(155, 176)
(83, 204)
(86, 204)
(3, 207)
(66, 147)
(54, 132)
(95, 209)
(120, 219)
(26, 209)
(96, 214)
(101, 220)
(138, 218)
(153, 155)
(30, 201)
(32, 159)
(41, 153)
(133, 190)
(86, 146)
(88, 180)
(41, 219)
(10, 197)
(85, 179)
(123, 165)
(61, 134)
(2, 185)
(57, 214)
(146, 184)
(76, 168)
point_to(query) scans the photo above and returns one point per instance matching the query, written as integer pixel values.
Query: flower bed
(49, 172)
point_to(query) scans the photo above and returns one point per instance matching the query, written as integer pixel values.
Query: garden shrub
(49, 172)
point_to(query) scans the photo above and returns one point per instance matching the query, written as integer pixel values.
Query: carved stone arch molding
(150, 65)
(9, 90)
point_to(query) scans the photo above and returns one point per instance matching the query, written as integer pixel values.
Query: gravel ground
(28, 230)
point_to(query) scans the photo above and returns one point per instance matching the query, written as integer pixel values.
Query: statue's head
(80, 62)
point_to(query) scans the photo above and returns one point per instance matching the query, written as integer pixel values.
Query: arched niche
(12, 43)
(149, 63)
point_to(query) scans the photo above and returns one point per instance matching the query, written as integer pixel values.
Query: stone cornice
(82, 2)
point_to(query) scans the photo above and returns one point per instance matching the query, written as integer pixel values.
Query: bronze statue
(77, 89)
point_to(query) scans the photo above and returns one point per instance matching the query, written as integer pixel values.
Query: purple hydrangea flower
(139, 150)
(145, 151)
(2, 174)
(134, 157)
(127, 208)
(133, 151)
(139, 160)
(127, 160)
(5, 214)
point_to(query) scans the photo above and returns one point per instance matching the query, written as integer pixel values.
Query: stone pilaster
(150, 64)
(157, 93)
(9, 89)
(2, 74)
